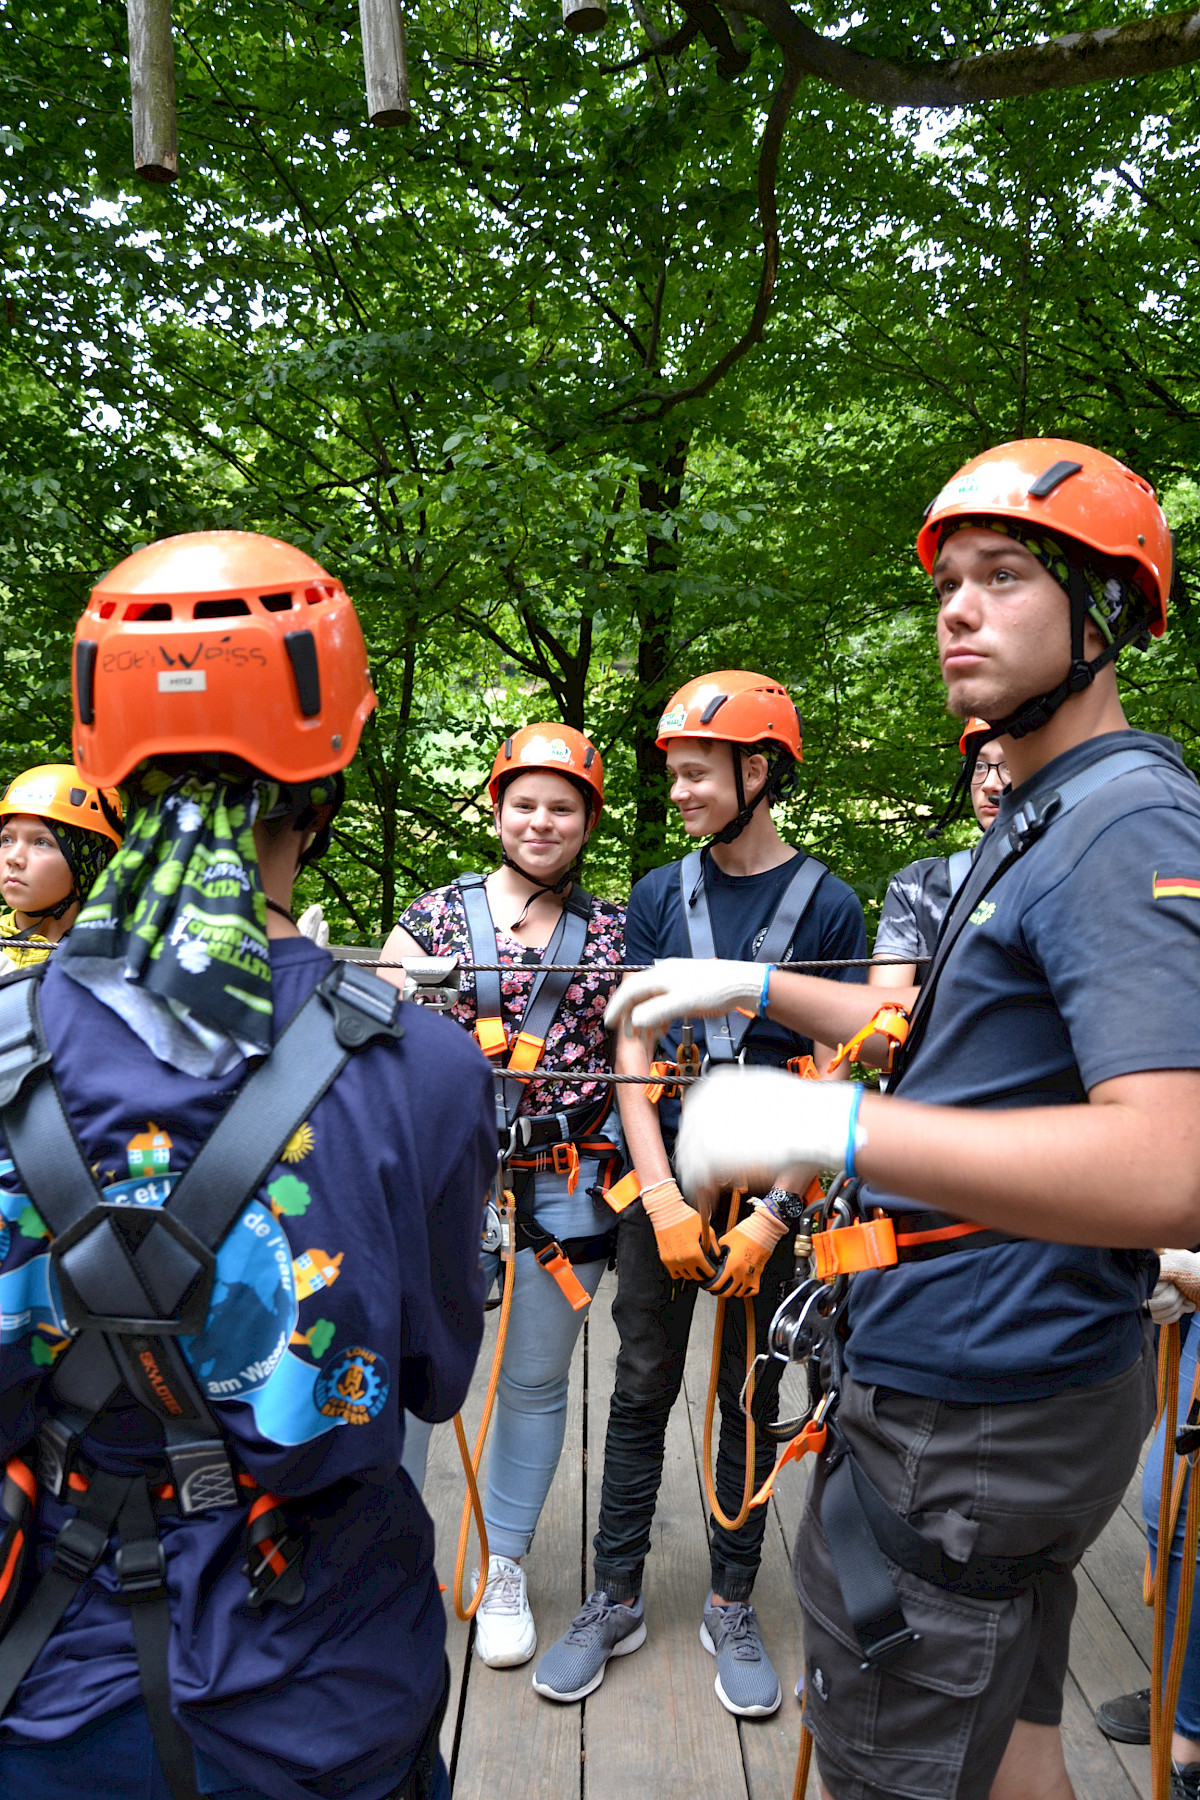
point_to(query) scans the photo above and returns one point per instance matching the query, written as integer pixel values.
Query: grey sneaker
(746, 1683)
(574, 1666)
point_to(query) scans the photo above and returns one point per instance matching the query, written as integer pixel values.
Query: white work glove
(1177, 1290)
(680, 988)
(743, 1127)
(311, 924)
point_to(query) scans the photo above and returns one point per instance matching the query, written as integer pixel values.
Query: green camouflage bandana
(1116, 606)
(181, 902)
(86, 852)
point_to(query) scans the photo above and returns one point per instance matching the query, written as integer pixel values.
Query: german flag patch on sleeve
(1176, 887)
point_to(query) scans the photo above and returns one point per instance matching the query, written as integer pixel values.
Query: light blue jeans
(531, 1400)
(531, 1403)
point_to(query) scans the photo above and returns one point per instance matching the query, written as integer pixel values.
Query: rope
(802, 1763)
(1163, 1700)
(581, 1077)
(472, 1460)
(607, 968)
(710, 1404)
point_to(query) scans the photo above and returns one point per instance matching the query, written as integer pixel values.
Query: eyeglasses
(983, 771)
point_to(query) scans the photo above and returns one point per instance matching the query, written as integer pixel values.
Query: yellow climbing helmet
(57, 791)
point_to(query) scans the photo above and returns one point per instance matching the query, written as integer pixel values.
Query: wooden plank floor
(655, 1727)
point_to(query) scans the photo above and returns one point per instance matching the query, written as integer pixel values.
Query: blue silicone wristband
(762, 998)
(852, 1129)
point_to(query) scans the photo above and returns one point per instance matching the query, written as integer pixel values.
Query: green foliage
(437, 360)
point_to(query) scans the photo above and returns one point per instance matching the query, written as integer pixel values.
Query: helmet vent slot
(219, 609)
(277, 602)
(107, 609)
(148, 609)
(1053, 477)
(315, 595)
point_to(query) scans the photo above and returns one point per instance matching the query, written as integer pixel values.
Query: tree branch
(1142, 47)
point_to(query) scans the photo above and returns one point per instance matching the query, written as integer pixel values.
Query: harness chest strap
(726, 1036)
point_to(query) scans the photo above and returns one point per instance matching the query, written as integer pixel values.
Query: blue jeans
(1187, 1711)
(115, 1757)
(531, 1401)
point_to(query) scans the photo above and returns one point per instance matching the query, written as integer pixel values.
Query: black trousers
(653, 1316)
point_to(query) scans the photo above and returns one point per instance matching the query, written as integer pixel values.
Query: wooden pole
(585, 17)
(152, 82)
(385, 62)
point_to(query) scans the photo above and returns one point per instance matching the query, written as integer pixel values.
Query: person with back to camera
(919, 894)
(732, 742)
(547, 789)
(241, 1188)
(998, 1381)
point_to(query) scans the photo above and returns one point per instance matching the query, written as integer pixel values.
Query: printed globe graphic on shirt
(253, 1310)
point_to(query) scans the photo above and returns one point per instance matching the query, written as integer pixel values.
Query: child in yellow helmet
(56, 834)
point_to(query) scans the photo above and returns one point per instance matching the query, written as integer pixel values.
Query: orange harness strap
(624, 1192)
(555, 1264)
(890, 1021)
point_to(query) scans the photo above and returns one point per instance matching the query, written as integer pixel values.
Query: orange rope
(803, 1763)
(471, 1461)
(1160, 1726)
(710, 1405)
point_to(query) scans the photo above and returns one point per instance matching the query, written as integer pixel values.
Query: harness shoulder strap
(481, 931)
(959, 867)
(725, 1036)
(991, 861)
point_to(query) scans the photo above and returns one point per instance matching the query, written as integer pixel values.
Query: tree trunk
(660, 493)
(152, 86)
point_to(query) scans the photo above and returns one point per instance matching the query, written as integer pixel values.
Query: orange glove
(680, 1232)
(748, 1247)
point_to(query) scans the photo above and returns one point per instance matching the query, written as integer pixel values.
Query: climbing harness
(529, 1145)
(132, 1281)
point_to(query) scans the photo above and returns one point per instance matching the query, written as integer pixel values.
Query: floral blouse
(577, 1038)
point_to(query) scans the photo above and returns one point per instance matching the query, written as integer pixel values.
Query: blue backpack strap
(726, 1036)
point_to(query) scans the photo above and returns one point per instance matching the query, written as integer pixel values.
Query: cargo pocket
(904, 1729)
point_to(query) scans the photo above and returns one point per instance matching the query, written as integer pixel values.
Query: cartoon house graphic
(149, 1152)
(314, 1270)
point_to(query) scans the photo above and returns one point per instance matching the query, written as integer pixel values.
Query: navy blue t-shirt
(741, 908)
(1081, 964)
(348, 1291)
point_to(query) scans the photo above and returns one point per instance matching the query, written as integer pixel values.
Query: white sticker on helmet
(182, 681)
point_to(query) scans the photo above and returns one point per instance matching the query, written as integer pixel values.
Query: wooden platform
(655, 1730)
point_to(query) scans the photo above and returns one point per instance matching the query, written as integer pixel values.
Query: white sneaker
(505, 1634)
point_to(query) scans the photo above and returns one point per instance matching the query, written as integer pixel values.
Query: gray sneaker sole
(626, 1647)
(739, 1712)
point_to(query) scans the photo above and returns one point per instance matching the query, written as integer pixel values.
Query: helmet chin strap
(540, 887)
(49, 912)
(1031, 715)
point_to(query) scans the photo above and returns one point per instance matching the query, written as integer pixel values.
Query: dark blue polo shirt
(348, 1291)
(741, 908)
(1082, 963)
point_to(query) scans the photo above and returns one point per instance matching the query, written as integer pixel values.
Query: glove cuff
(665, 1205)
(761, 1227)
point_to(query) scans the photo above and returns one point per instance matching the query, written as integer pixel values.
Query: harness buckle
(55, 1450)
(553, 1259)
(202, 1474)
(79, 1547)
(141, 1569)
(564, 1160)
(868, 1245)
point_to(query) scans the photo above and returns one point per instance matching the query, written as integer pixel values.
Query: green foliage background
(447, 362)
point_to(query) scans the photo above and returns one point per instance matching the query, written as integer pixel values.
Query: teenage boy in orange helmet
(220, 1096)
(1044, 1120)
(732, 743)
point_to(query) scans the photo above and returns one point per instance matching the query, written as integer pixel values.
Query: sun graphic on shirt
(299, 1144)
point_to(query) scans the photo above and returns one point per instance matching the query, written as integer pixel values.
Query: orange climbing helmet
(1072, 491)
(557, 749)
(57, 791)
(734, 706)
(970, 730)
(219, 641)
